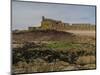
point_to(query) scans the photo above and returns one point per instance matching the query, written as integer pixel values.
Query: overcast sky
(25, 14)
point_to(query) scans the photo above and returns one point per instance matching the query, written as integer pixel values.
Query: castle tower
(43, 18)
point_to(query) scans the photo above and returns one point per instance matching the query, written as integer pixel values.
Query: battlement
(48, 19)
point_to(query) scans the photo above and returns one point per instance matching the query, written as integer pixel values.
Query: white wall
(5, 26)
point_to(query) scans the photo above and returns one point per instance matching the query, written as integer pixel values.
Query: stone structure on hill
(52, 24)
(47, 23)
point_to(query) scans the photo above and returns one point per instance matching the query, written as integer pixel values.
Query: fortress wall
(47, 23)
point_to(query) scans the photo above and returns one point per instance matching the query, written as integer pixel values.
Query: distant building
(52, 24)
(47, 23)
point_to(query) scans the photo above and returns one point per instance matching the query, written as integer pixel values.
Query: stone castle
(52, 24)
(47, 23)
